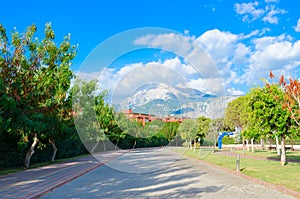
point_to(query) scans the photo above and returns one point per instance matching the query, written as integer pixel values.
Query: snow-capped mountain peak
(162, 99)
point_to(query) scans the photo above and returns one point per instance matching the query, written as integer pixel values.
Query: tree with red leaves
(291, 97)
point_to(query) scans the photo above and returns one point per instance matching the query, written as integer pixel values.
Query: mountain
(179, 101)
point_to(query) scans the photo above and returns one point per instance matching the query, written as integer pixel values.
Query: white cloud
(279, 54)
(255, 33)
(271, 1)
(199, 84)
(249, 11)
(241, 53)
(209, 85)
(262, 42)
(123, 82)
(271, 15)
(241, 62)
(233, 91)
(188, 48)
(233, 78)
(169, 41)
(182, 68)
(218, 44)
(297, 27)
(88, 76)
(240, 59)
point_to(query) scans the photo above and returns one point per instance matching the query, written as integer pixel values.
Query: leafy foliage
(188, 130)
(291, 97)
(35, 78)
(236, 113)
(267, 115)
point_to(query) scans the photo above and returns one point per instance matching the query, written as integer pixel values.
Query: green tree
(267, 115)
(35, 77)
(105, 116)
(94, 117)
(130, 127)
(188, 131)
(203, 126)
(236, 115)
(215, 126)
(117, 134)
(169, 130)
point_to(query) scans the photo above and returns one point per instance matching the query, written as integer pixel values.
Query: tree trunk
(243, 140)
(30, 152)
(195, 145)
(247, 145)
(116, 146)
(54, 149)
(94, 147)
(283, 153)
(262, 144)
(104, 146)
(277, 145)
(252, 145)
(134, 144)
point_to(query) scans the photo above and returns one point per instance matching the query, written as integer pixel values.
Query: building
(144, 118)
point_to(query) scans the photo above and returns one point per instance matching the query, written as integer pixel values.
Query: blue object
(220, 137)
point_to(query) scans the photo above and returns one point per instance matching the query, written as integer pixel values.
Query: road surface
(160, 173)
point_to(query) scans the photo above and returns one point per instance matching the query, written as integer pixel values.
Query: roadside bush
(228, 140)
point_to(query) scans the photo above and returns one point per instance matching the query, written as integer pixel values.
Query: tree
(291, 97)
(236, 114)
(215, 126)
(188, 131)
(268, 116)
(105, 116)
(117, 133)
(35, 77)
(203, 126)
(169, 130)
(94, 118)
(130, 127)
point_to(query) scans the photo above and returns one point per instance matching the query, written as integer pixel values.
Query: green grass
(36, 165)
(268, 171)
(291, 155)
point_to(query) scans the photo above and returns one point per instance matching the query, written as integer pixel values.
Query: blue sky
(245, 39)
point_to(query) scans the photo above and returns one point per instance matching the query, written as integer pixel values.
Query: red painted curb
(38, 195)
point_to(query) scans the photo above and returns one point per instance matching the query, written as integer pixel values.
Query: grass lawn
(266, 170)
(291, 155)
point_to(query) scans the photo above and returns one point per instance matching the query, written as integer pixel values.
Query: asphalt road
(160, 173)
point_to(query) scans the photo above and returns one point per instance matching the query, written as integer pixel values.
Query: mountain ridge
(177, 101)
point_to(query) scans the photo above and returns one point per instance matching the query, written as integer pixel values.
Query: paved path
(35, 182)
(160, 173)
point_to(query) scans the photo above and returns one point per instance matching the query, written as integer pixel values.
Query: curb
(56, 178)
(38, 195)
(74, 177)
(261, 182)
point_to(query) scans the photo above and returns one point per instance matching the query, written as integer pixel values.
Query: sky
(223, 47)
